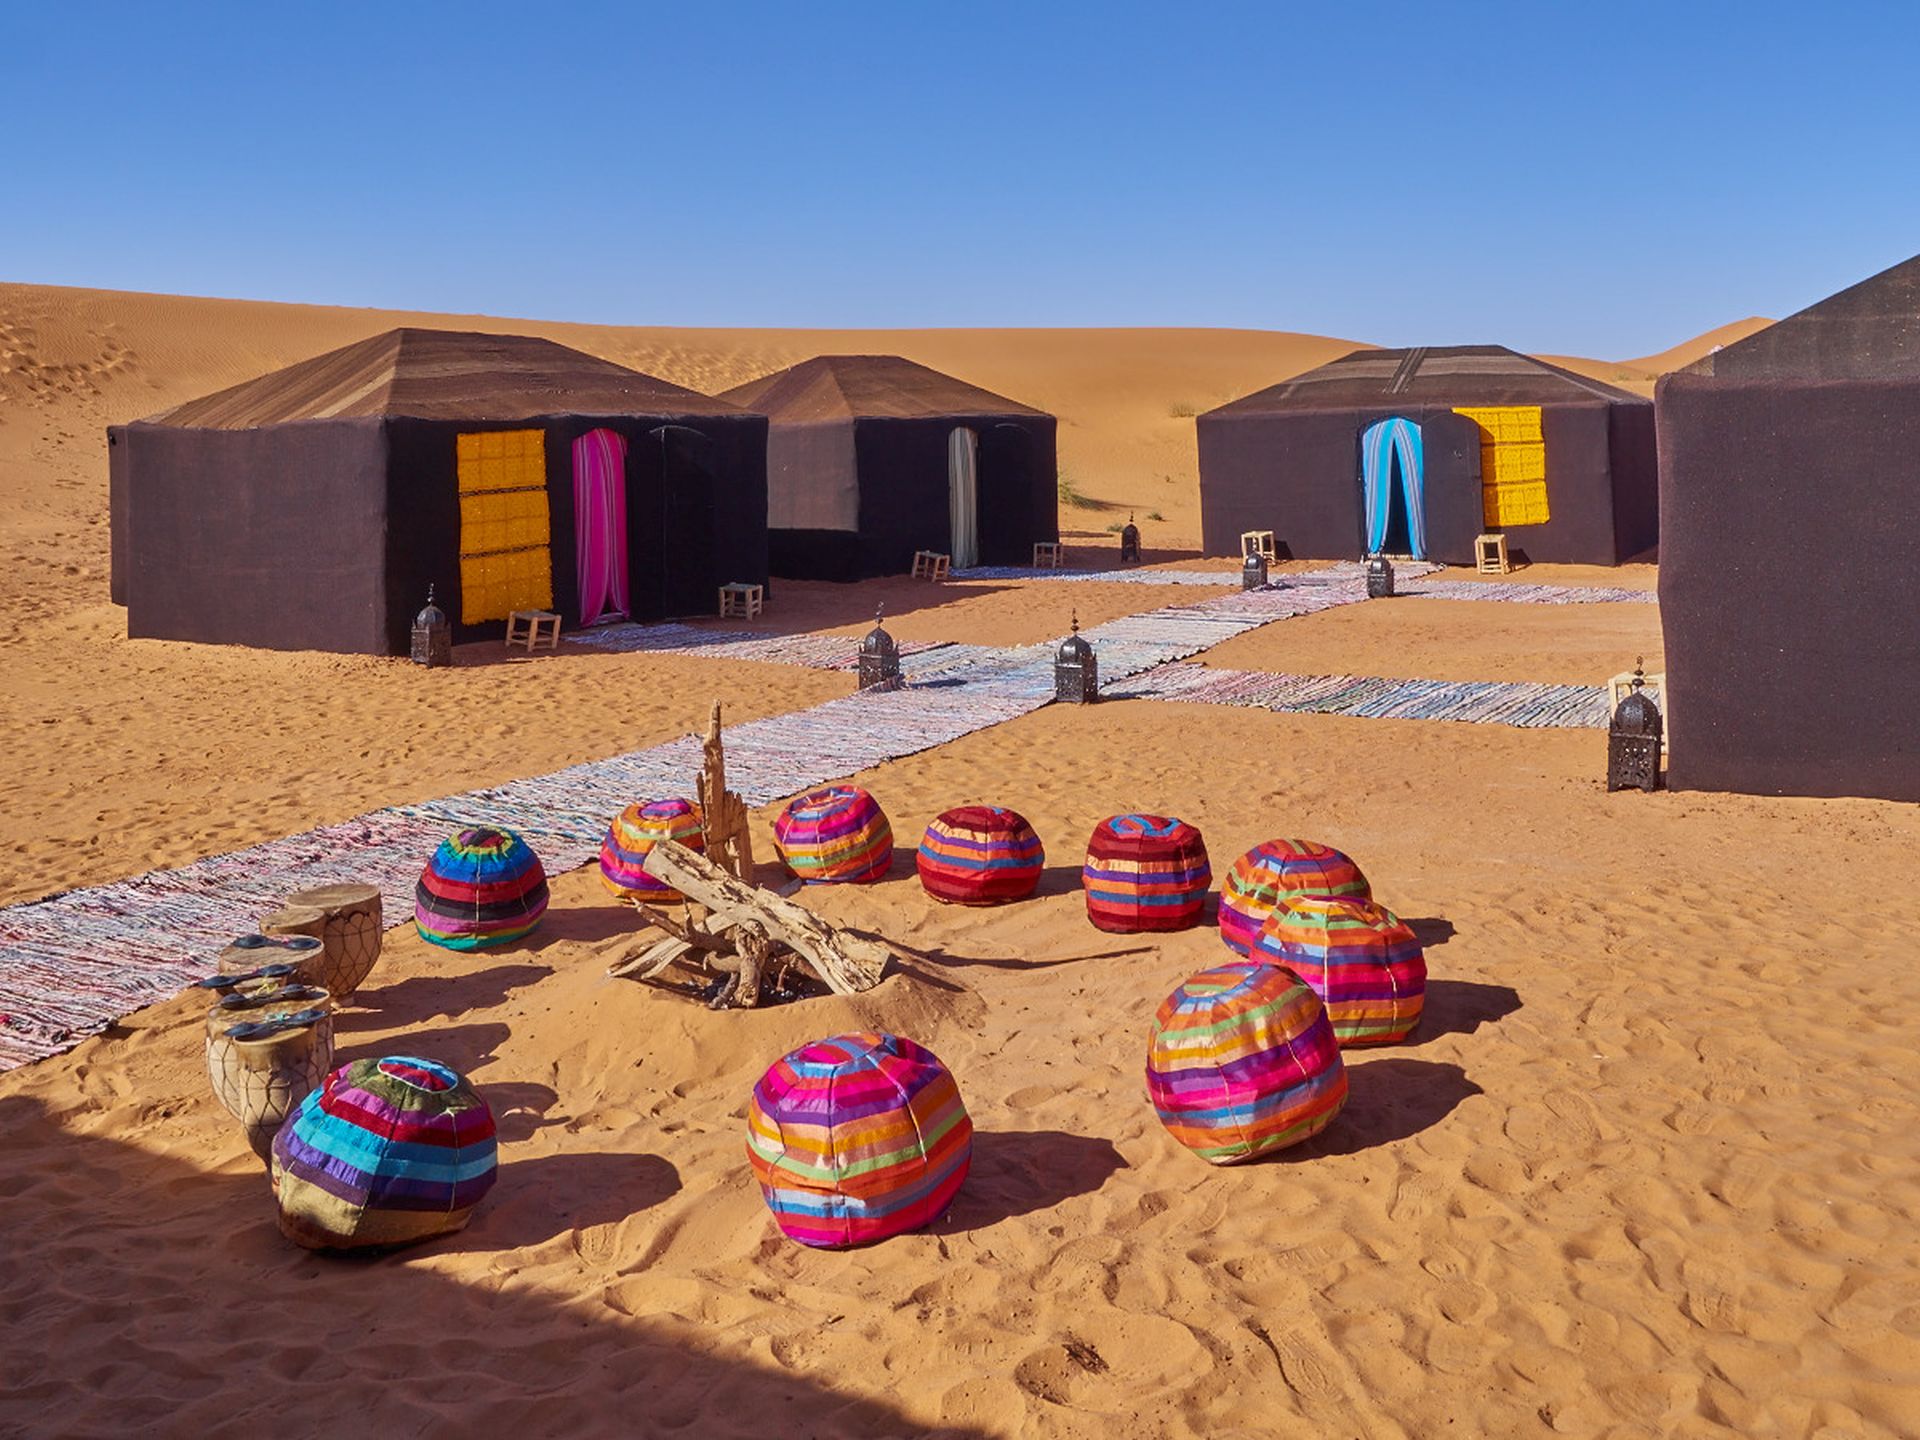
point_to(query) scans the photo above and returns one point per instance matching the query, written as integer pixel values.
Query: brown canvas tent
(1489, 439)
(872, 457)
(311, 508)
(1790, 499)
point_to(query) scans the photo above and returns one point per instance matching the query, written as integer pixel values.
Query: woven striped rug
(1479, 702)
(73, 963)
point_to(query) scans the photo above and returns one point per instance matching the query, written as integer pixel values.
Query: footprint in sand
(1745, 1181)
(1308, 1373)
(1711, 1301)
(1413, 1197)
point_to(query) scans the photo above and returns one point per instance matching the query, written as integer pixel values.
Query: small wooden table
(742, 599)
(1258, 542)
(1490, 554)
(1047, 553)
(931, 565)
(533, 629)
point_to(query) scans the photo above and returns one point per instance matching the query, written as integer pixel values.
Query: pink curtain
(600, 524)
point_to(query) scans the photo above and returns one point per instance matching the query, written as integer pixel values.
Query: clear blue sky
(1555, 176)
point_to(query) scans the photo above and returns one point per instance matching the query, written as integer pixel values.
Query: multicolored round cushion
(834, 835)
(857, 1138)
(980, 855)
(1146, 872)
(482, 887)
(1360, 958)
(1242, 1062)
(1276, 869)
(385, 1152)
(632, 836)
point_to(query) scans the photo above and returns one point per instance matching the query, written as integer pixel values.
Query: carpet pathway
(73, 963)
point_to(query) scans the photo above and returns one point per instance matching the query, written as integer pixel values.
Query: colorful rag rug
(1481, 702)
(73, 963)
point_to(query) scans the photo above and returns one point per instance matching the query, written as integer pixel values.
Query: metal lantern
(1253, 571)
(1076, 674)
(1130, 542)
(1633, 740)
(1379, 577)
(879, 658)
(432, 635)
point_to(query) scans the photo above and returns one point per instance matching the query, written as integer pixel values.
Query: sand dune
(1649, 1168)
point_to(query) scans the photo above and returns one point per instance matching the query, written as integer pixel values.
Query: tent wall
(1636, 480)
(1296, 473)
(1788, 587)
(271, 538)
(1579, 489)
(902, 470)
(117, 513)
(696, 507)
(813, 482)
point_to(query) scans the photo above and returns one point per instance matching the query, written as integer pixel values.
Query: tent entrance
(963, 496)
(1392, 485)
(600, 525)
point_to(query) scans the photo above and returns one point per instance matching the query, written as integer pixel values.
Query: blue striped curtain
(1379, 447)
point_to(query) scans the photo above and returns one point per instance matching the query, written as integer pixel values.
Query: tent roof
(1869, 331)
(441, 375)
(847, 387)
(1438, 375)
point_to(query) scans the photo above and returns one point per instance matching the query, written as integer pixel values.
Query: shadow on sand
(189, 1270)
(1016, 1172)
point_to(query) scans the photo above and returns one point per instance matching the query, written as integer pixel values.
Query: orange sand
(1648, 1170)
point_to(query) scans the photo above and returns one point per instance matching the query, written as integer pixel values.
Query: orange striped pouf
(1360, 958)
(1276, 869)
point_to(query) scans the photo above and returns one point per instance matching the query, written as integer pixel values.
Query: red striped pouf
(1146, 872)
(836, 834)
(980, 855)
(1274, 871)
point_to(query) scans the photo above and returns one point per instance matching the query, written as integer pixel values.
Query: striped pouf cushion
(386, 1152)
(482, 887)
(1146, 872)
(857, 1138)
(1279, 868)
(836, 834)
(1242, 1062)
(980, 855)
(634, 832)
(1361, 959)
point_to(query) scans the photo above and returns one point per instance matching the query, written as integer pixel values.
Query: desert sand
(1648, 1167)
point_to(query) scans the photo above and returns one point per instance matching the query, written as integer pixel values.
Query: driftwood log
(723, 814)
(750, 935)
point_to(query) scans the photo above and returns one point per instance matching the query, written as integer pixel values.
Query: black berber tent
(1562, 464)
(1789, 588)
(872, 457)
(312, 508)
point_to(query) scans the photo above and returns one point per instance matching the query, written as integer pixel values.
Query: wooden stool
(533, 629)
(1258, 542)
(1047, 553)
(741, 599)
(931, 565)
(1490, 555)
